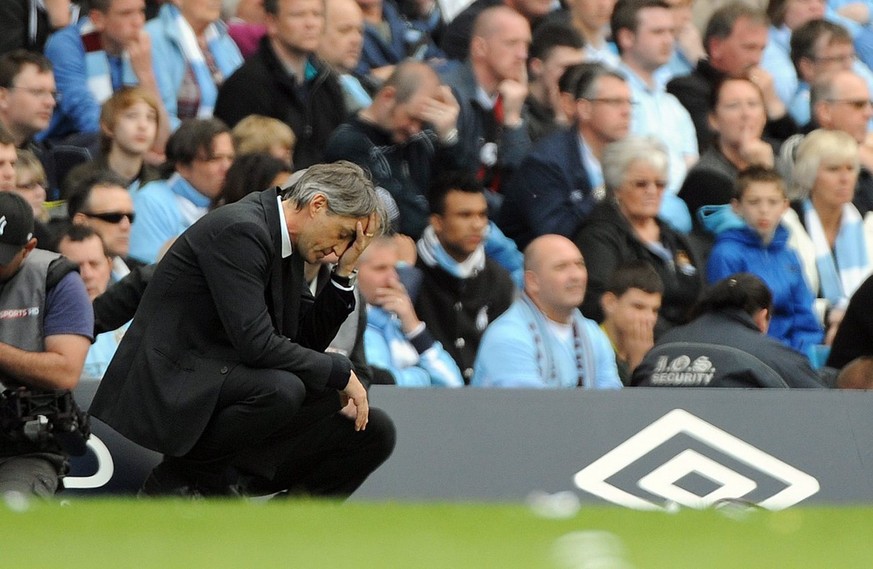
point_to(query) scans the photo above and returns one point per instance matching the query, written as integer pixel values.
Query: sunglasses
(112, 217)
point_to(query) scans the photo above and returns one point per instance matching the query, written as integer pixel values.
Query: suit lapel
(271, 216)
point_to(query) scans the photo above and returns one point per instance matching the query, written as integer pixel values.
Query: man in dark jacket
(462, 291)
(285, 80)
(734, 40)
(491, 88)
(403, 138)
(224, 368)
(726, 344)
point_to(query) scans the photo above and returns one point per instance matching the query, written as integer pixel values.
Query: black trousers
(268, 428)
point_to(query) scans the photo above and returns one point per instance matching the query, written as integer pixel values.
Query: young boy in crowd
(760, 247)
(129, 122)
(630, 307)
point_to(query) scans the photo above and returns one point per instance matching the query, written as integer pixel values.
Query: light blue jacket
(417, 362)
(170, 64)
(508, 355)
(164, 209)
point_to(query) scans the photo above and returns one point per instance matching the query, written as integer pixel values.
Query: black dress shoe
(168, 482)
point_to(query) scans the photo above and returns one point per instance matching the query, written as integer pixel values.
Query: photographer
(46, 326)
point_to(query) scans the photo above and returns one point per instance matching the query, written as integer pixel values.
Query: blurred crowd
(580, 193)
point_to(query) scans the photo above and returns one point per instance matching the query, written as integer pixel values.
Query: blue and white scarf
(97, 64)
(192, 204)
(224, 60)
(433, 254)
(545, 344)
(838, 283)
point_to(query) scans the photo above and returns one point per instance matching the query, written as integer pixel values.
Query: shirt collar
(485, 100)
(287, 247)
(636, 82)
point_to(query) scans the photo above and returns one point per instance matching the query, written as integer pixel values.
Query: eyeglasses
(857, 104)
(112, 216)
(644, 184)
(31, 185)
(614, 101)
(40, 93)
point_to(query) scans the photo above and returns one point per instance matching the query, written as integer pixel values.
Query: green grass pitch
(302, 534)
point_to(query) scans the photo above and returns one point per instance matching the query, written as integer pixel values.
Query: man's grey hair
(348, 189)
(618, 156)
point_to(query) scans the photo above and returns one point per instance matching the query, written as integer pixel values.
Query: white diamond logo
(662, 480)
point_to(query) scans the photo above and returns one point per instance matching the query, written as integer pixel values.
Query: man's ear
(624, 39)
(531, 283)
(608, 302)
(762, 320)
(584, 109)
(317, 204)
(478, 46)
(436, 221)
(821, 113)
(805, 68)
(389, 93)
(714, 49)
(30, 246)
(98, 19)
(535, 67)
(735, 205)
(271, 25)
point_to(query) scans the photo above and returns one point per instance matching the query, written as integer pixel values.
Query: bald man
(543, 341)
(858, 374)
(491, 88)
(407, 131)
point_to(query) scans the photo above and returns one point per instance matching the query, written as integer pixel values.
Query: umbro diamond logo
(663, 481)
(2, 224)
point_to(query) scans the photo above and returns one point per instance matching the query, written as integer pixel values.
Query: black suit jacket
(549, 193)
(222, 296)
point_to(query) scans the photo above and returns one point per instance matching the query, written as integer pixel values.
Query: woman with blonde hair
(257, 133)
(833, 241)
(31, 183)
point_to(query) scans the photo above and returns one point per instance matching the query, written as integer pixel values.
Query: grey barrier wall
(640, 448)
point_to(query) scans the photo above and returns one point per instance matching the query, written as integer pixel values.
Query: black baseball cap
(16, 225)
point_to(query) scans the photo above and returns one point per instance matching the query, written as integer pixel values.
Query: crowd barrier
(640, 448)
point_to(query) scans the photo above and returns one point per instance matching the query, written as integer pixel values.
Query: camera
(40, 417)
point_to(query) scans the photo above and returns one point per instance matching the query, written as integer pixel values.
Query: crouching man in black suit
(223, 369)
